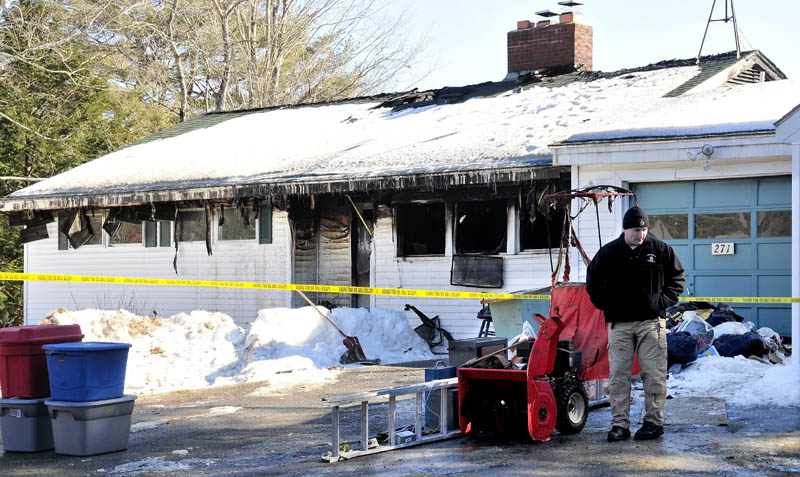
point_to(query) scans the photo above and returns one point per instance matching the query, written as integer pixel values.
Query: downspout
(796, 256)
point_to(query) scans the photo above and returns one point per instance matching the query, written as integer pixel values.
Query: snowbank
(739, 381)
(282, 346)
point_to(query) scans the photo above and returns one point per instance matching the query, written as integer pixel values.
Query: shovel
(354, 353)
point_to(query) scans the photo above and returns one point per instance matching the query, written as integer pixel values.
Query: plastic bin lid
(39, 333)
(22, 402)
(85, 346)
(124, 398)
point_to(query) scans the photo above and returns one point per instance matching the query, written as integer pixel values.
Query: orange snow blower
(570, 348)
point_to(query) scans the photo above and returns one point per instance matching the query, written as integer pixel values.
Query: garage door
(733, 237)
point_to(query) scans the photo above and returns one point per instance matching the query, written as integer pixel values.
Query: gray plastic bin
(25, 425)
(92, 427)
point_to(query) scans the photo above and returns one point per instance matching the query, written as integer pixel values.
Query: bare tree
(207, 55)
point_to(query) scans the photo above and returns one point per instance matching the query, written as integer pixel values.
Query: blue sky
(467, 38)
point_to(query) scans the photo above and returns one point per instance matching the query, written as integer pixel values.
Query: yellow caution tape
(742, 299)
(405, 292)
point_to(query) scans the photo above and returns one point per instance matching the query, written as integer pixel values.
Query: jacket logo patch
(651, 258)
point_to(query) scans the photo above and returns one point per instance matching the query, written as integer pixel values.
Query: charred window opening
(539, 220)
(420, 229)
(481, 226)
(126, 233)
(238, 223)
(191, 226)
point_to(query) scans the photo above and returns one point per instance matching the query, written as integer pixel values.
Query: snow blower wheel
(573, 406)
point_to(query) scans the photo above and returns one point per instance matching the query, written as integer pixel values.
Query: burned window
(237, 224)
(538, 220)
(481, 226)
(420, 229)
(127, 233)
(191, 226)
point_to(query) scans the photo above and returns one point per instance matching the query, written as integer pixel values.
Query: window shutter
(149, 234)
(265, 223)
(165, 229)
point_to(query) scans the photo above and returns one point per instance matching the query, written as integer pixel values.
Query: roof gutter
(663, 139)
(426, 182)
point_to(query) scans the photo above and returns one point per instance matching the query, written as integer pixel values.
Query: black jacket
(634, 284)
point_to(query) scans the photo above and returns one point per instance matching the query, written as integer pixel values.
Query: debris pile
(700, 329)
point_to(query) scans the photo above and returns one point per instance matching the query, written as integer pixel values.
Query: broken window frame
(466, 207)
(63, 240)
(555, 226)
(110, 239)
(400, 220)
(202, 237)
(233, 213)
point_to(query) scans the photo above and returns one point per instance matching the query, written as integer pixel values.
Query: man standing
(633, 280)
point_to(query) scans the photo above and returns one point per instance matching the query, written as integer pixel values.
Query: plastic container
(433, 399)
(90, 428)
(461, 351)
(23, 365)
(25, 425)
(87, 371)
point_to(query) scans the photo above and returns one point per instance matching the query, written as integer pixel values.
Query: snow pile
(283, 346)
(739, 381)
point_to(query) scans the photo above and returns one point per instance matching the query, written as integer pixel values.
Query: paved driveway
(250, 430)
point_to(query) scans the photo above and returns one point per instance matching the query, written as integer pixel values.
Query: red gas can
(23, 364)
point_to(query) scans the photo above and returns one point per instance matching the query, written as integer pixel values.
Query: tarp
(586, 326)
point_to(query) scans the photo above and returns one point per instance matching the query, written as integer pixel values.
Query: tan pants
(649, 339)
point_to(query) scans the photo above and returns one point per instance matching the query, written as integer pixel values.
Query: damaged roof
(479, 134)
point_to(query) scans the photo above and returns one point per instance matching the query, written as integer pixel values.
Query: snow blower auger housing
(548, 395)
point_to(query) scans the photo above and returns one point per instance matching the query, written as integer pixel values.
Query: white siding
(520, 272)
(232, 260)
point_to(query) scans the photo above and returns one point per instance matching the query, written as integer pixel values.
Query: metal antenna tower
(726, 19)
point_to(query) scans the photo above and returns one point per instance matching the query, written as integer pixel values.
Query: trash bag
(730, 328)
(722, 313)
(682, 348)
(747, 344)
(696, 326)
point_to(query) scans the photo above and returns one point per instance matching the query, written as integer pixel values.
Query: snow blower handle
(321, 313)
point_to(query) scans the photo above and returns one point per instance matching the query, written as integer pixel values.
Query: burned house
(435, 189)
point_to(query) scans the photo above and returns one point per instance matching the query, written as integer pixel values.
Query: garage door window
(727, 225)
(775, 223)
(669, 226)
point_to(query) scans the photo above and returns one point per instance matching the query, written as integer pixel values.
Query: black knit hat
(634, 217)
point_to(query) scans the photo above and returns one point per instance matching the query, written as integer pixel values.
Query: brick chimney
(565, 44)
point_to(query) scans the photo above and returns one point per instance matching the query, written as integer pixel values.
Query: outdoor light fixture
(706, 151)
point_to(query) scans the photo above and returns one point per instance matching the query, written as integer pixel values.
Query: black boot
(648, 431)
(618, 433)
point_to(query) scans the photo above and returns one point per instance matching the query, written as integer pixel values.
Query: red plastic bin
(23, 364)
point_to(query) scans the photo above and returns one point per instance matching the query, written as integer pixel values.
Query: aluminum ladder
(370, 445)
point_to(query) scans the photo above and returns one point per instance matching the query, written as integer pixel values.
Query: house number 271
(723, 248)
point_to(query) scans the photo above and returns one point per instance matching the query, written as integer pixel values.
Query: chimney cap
(570, 4)
(547, 13)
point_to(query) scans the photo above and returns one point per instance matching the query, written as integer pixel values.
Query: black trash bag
(689, 306)
(723, 313)
(682, 348)
(748, 344)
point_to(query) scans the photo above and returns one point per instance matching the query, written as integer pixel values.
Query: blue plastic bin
(87, 371)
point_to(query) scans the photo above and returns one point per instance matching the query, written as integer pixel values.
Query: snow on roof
(725, 110)
(353, 140)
